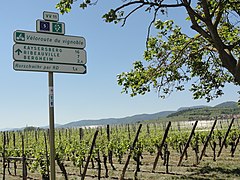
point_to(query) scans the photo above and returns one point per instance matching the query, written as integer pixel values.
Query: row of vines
(104, 148)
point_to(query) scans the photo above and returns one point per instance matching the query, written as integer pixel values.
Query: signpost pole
(51, 125)
(49, 50)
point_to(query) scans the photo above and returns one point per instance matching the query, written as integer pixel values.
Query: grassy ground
(225, 167)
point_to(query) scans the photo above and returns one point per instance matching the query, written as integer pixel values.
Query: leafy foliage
(208, 61)
(175, 59)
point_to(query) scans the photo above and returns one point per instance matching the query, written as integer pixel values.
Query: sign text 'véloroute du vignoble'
(28, 37)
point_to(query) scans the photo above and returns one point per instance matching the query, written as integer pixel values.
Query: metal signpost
(49, 50)
(51, 126)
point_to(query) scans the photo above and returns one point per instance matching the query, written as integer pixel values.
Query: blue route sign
(44, 26)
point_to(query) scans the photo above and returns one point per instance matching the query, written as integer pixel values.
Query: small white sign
(51, 91)
(51, 100)
(29, 37)
(50, 16)
(49, 67)
(50, 54)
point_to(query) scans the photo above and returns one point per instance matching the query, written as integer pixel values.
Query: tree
(208, 60)
(30, 128)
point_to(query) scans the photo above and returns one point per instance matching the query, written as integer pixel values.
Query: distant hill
(125, 120)
(182, 114)
(230, 104)
(222, 110)
(22, 128)
(191, 107)
(55, 125)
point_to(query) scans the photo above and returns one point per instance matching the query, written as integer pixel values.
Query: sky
(111, 49)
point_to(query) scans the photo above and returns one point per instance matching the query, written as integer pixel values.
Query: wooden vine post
(187, 144)
(225, 138)
(14, 146)
(24, 163)
(130, 153)
(46, 154)
(161, 146)
(80, 134)
(208, 139)
(89, 156)
(3, 155)
(235, 146)
(167, 161)
(110, 152)
(129, 133)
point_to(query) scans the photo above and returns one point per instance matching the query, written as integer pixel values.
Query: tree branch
(149, 4)
(230, 47)
(219, 15)
(184, 47)
(206, 11)
(125, 18)
(193, 15)
(191, 11)
(150, 25)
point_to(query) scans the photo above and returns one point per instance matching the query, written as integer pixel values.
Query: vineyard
(166, 150)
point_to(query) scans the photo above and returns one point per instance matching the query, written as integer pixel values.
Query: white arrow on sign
(29, 37)
(48, 54)
(49, 67)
